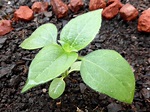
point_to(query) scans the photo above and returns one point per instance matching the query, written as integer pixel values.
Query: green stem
(80, 58)
(65, 74)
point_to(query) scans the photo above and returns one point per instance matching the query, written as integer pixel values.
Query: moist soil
(114, 34)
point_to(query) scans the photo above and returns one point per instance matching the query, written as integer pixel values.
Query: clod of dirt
(144, 21)
(6, 70)
(48, 14)
(23, 13)
(117, 1)
(111, 11)
(75, 5)
(60, 8)
(5, 27)
(113, 107)
(2, 41)
(145, 93)
(97, 4)
(128, 12)
(82, 87)
(38, 7)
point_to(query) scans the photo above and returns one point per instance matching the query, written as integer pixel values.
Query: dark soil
(114, 34)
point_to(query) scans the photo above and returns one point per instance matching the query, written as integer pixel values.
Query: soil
(114, 34)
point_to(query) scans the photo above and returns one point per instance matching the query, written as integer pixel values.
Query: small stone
(75, 5)
(9, 2)
(82, 87)
(58, 104)
(5, 27)
(44, 90)
(2, 41)
(9, 10)
(113, 107)
(38, 7)
(97, 4)
(48, 14)
(60, 8)
(117, 1)
(128, 12)
(23, 13)
(145, 93)
(144, 21)
(111, 11)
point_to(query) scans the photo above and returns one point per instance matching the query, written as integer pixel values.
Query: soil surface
(114, 34)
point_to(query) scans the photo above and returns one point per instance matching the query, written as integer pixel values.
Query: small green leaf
(48, 64)
(75, 66)
(42, 36)
(80, 31)
(56, 88)
(108, 72)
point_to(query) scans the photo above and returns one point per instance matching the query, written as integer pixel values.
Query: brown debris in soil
(144, 21)
(5, 27)
(38, 7)
(75, 5)
(60, 8)
(97, 4)
(128, 12)
(23, 13)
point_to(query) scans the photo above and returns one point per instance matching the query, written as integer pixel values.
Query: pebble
(23, 13)
(60, 8)
(2, 41)
(144, 21)
(75, 5)
(82, 87)
(128, 12)
(39, 7)
(97, 4)
(5, 27)
(44, 90)
(113, 107)
(108, 13)
(48, 14)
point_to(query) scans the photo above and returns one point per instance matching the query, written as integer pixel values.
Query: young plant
(105, 71)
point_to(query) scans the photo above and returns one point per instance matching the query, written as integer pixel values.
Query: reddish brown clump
(5, 27)
(111, 11)
(75, 5)
(23, 13)
(128, 12)
(117, 1)
(38, 7)
(97, 4)
(59, 8)
(144, 21)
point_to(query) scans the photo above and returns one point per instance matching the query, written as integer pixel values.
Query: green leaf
(108, 72)
(48, 64)
(56, 88)
(75, 67)
(80, 31)
(42, 36)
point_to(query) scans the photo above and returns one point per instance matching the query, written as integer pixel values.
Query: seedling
(105, 71)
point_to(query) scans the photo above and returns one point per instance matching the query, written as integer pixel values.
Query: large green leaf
(42, 36)
(80, 31)
(108, 72)
(56, 88)
(48, 64)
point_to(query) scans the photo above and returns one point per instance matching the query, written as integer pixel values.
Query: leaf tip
(27, 86)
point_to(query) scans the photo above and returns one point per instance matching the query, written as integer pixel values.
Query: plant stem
(65, 74)
(80, 58)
